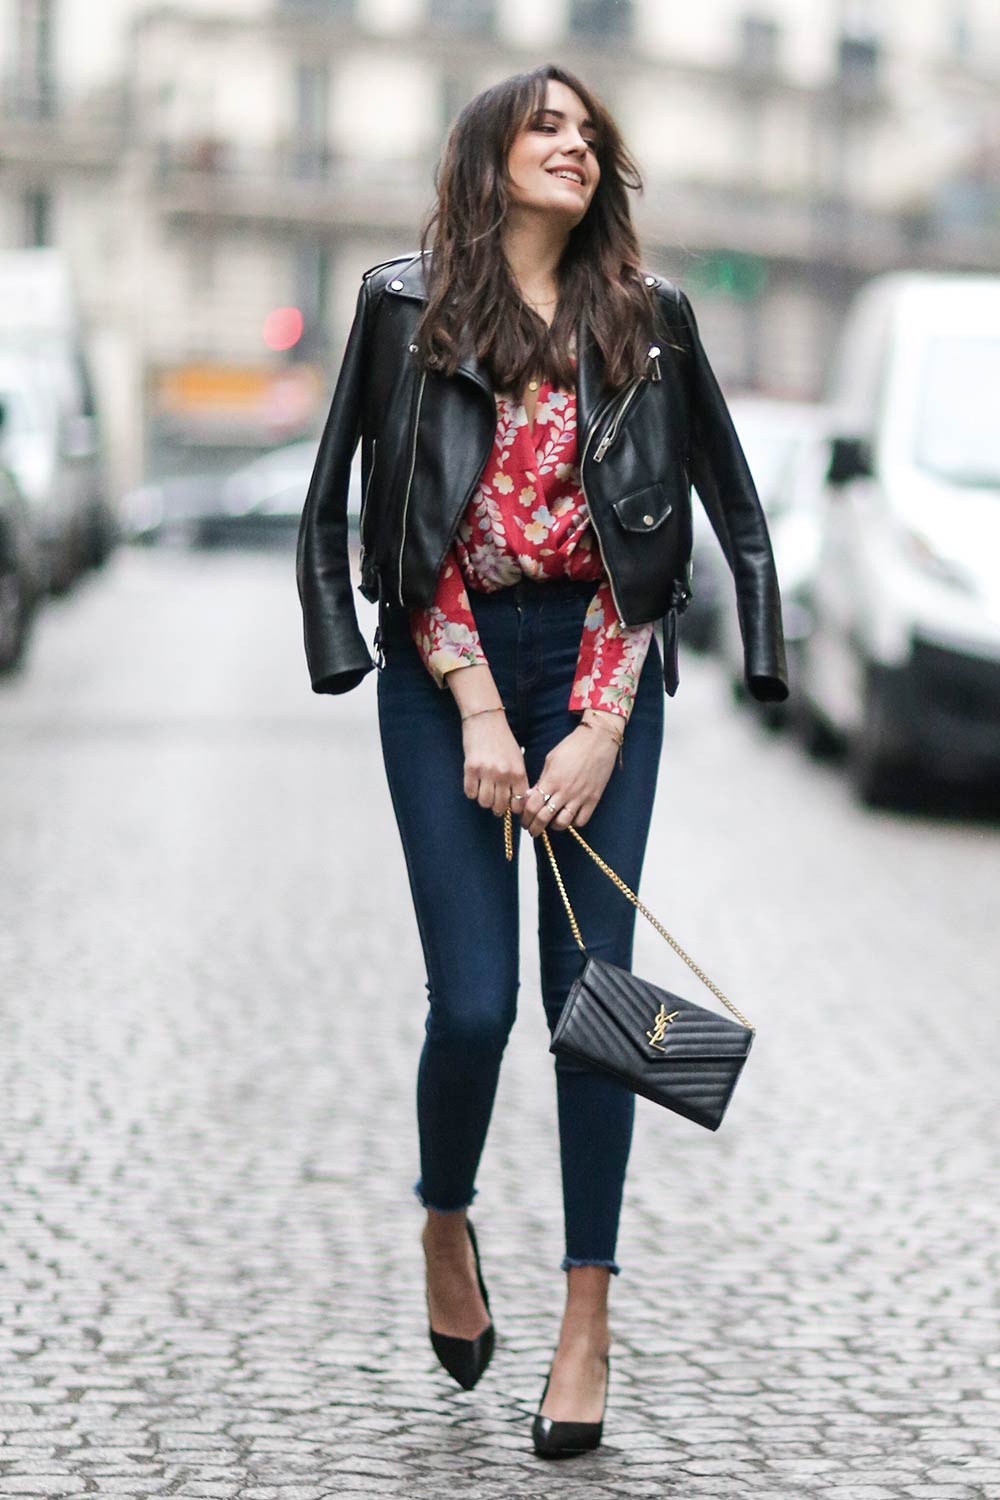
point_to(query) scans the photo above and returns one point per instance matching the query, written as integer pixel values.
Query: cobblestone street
(212, 1008)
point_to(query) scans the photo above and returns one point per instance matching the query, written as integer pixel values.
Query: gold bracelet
(476, 711)
(617, 735)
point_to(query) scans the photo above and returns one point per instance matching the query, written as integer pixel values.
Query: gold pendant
(532, 385)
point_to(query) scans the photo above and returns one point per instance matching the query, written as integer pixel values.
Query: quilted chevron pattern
(605, 1021)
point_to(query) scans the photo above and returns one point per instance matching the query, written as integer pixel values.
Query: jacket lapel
(411, 282)
(591, 391)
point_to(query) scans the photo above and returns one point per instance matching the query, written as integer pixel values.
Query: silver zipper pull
(603, 446)
(654, 355)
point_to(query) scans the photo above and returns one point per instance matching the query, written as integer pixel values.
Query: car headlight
(930, 560)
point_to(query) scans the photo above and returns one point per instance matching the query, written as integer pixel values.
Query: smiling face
(552, 166)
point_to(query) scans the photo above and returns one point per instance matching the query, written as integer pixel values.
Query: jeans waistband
(544, 590)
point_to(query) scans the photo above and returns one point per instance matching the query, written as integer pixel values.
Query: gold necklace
(533, 384)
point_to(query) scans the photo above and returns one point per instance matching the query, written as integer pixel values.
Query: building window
(858, 62)
(601, 18)
(310, 148)
(202, 267)
(758, 42)
(35, 50)
(456, 92)
(859, 49)
(320, 10)
(464, 17)
(960, 31)
(311, 291)
(37, 217)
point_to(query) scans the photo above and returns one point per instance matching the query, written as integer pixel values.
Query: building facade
(207, 163)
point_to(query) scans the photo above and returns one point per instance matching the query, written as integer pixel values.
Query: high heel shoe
(563, 1439)
(466, 1359)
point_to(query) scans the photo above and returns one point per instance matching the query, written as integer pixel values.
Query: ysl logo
(660, 1023)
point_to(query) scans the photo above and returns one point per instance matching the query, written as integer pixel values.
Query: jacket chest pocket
(643, 510)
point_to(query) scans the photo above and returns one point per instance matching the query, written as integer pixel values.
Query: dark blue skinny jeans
(466, 898)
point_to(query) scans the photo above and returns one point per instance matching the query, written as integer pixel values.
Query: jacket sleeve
(721, 475)
(335, 648)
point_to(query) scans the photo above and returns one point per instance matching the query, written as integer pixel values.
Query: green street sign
(733, 273)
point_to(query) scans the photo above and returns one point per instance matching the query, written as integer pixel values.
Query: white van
(60, 459)
(903, 659)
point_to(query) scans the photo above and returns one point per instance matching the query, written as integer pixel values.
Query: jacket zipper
(409, 480)
(596, 529)
(612, 431)
(364, 499)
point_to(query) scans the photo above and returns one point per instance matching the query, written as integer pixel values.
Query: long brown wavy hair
(469, 281)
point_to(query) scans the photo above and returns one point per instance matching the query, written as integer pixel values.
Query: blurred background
(208, 1282)
(190, 192)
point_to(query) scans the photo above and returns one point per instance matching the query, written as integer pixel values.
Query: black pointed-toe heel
(563, 1439)
(466, 1359)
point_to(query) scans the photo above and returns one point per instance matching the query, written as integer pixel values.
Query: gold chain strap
(508, 839)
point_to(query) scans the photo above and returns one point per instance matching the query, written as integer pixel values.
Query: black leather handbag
(663, 1047)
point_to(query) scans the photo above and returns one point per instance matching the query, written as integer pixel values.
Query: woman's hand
(494, 765)
(494, 762)
(575, 772)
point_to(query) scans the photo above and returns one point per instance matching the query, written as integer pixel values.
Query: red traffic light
(283, 328)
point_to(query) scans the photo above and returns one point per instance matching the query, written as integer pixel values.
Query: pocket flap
(643, 510)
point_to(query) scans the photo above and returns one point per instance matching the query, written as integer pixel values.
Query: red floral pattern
(529, 519)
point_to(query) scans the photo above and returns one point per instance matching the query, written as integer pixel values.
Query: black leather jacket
(426, 439)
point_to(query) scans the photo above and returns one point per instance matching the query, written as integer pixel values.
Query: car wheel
(817, 738)
(876, 769)
(774, 716)
(64, 571)
(16, 609)
(101, 539)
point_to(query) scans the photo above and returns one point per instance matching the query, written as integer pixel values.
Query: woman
(533, 408)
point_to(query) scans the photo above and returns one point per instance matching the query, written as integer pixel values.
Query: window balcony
(295, 182)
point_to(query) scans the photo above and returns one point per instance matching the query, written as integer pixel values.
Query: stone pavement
(212, 1006)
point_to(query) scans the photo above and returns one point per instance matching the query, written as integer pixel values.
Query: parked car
(32, 451)
(769, 431)
(65, 479)
(902, 664)
(262, 498)
(172, 509)
(20, 577)
(265, 496)
(789, 494)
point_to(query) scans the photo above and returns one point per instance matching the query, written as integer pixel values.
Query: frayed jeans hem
(612, 1265)
(454, 1209)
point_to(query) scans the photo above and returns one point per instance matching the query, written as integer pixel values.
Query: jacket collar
(409, 281)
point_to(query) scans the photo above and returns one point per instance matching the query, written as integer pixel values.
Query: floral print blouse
(529, 519)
